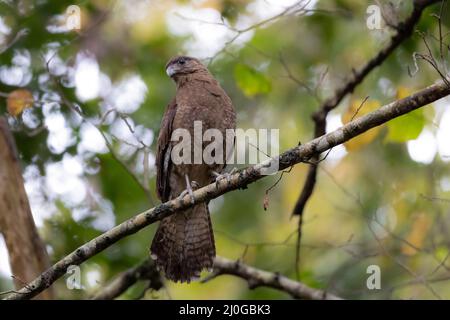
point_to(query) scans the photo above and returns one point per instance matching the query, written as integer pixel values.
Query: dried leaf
(266, 201)
(18, 100)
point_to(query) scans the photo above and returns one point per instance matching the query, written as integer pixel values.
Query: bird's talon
(226, 175)
(195, 185)
(191, 194)
(183, 194)
(189, 185)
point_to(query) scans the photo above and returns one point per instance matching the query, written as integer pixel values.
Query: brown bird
(184, 243)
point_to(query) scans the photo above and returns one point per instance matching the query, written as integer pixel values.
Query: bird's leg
(189, 185)
(225, 175)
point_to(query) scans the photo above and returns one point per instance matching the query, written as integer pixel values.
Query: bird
(183, 245)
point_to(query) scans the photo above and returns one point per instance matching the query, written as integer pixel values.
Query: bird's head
(183, 65)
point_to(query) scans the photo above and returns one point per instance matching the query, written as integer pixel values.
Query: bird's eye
(182, 61)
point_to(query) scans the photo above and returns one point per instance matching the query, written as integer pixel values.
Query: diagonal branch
(238, 180)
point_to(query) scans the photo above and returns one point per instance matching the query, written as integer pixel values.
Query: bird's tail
(184, 244)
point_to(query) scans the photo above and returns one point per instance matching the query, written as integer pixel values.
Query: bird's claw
(183, 194)
(225, 175)
(189, 189)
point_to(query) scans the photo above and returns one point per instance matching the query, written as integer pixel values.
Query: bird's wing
(220, 95)
(163, 162)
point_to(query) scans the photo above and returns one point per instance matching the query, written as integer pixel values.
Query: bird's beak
(170, 70)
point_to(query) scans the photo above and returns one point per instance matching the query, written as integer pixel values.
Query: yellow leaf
(441, 252)
(18, 100)
(358, 108)
(417, 234)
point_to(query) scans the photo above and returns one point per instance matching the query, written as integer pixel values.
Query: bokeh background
(380, 199)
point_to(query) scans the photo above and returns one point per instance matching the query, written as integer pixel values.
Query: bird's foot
(189, 189)
(225, 175)
(183, 194)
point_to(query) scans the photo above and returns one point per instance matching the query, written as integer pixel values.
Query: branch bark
(239, 180)
(145, 271)
(27, 254)
(222, 266)
(260, 278)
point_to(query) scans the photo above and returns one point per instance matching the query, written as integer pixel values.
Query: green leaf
(251, 81)
(406, 127)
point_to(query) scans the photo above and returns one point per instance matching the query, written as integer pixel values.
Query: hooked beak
(170, 70)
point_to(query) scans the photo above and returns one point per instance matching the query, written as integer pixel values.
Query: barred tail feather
(184, 244)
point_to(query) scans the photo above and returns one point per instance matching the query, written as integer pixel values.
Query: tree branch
(402, 32)
(260, 278)
(222, 266)
(239, 180)
(145, 271)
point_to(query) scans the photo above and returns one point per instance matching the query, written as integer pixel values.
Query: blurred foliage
(372, 205)
(356, 109)
(407, 127)
(250, 81)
